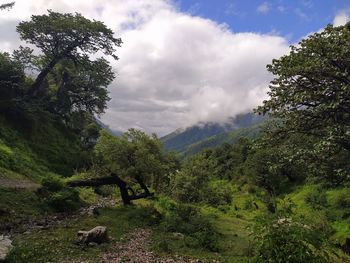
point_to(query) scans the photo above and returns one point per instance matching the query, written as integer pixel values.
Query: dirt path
(136, 250)
(18, 184)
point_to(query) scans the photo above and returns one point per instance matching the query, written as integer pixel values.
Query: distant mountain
(224, 137)
(106, 127)
(207, 135)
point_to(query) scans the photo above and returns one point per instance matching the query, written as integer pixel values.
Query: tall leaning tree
(310, 96)
(62, 37)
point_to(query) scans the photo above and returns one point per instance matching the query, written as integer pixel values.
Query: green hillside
(35, 148)
(194, 138)
(221, 138)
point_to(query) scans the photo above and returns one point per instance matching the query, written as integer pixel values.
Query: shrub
(165, 203)
(316, 198)
(197, 230)
(342, 200)
(191, 182)
(219, 193)
(65, 200)
(52, 183)
(281, 237)
(58, 197)
(248, 204)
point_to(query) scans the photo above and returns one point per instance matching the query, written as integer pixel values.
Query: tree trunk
(34, 88)
(114, 180)
(142, 184)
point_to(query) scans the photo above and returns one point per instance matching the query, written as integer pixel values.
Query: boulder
(5, 247)
(96, 235)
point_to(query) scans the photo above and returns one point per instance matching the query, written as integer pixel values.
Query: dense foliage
(310, 96)
(135, 157)
(282, 237)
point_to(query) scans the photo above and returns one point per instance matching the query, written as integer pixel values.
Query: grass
(234, 239)
(233, 244)
(8, 174)
(58, 243)
(17, 205)
(44, 147)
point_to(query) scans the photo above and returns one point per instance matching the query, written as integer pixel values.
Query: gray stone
(178, 235)
(96, 235)
(5, 247)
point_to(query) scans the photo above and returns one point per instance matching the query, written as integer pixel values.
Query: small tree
(134, 159)
(191, 183)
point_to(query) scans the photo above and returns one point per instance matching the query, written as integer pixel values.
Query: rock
(5, 247)
(96, 235)
(178, 235)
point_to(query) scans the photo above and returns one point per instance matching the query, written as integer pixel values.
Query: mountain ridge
(181, 141)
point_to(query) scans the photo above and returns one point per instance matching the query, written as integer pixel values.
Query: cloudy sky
(189, 61)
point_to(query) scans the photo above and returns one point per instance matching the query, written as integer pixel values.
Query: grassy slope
(38, 148)
(337, 216)
(30, 151)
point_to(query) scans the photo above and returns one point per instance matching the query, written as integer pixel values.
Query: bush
(281, 237)
(58, 197)
(316, 198)
(248, 204)
(165, 203)
(219, 193)
(342, 200)
(65, 200)
(190, 185)
(197, 230)
(52, 183)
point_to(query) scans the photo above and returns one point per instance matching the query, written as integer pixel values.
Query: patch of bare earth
(17, 184)
(135, 250)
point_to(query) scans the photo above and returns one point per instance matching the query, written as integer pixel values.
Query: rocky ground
(136, 250)
(26, 227)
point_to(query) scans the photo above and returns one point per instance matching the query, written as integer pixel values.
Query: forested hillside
(72, 191)
(193, 139)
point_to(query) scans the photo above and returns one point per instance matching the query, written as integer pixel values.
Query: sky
(185, 61)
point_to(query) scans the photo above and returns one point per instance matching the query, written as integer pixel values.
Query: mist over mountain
(181, 139)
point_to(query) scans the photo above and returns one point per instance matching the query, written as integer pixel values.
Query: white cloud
(175, 69)
(300, 13)
(264, 8)
(281, 8)
(341, 18)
